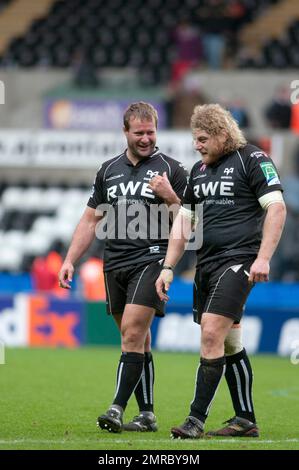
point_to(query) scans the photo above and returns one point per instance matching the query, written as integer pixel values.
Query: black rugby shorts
(134, 284)
(222, 287)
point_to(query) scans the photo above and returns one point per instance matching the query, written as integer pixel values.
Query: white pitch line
(148, 441)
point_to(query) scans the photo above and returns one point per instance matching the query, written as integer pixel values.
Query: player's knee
(132, 340)
(233, 342)
(209, 339)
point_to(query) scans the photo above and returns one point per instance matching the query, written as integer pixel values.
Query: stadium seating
(279, 53)
(35, 220)
(112, 34)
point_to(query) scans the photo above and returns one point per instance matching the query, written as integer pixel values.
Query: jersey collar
(145, 159)
(221, 159)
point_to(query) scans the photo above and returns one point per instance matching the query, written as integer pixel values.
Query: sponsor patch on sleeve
(259, 154)
(270, 173)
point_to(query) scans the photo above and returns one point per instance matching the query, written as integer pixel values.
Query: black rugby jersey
(228, 192)
(124, 188)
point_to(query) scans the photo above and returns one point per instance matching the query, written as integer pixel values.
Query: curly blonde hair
(214, 119)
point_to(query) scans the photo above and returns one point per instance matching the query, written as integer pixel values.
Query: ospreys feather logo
(270, 173)
(152, 174)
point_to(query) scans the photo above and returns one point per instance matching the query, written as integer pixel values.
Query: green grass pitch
(50, 399)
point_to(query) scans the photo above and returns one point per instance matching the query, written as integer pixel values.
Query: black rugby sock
(128, 375)
(144, 392)
(208, 378)
(239, 379)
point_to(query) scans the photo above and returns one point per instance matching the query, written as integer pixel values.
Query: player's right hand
(163, 283)
(161, 187)
(65, 275)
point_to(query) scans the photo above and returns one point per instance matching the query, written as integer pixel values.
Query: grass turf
(50, 399)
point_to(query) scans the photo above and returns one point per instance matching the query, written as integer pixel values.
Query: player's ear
(223, 136)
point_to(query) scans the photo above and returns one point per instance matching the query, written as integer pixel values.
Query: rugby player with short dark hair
(237, 186)
(139, 181)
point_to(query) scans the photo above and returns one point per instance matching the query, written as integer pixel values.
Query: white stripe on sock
(195, 384)
(144, 387)
(247, 391)
(239, 388)
(119, 378)
(151, 376)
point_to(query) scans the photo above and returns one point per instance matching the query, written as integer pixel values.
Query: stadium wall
(25, 91)
(49, 155)
(270, 324)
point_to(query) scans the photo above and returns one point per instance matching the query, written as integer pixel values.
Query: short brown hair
(214, 119)
(141, 110)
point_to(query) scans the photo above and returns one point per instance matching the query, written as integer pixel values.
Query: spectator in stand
(92, 279)
(84, 72)
(295, 118)
(215, 23)
(235, 17)
(44, 274)
(286, 261)
(236, 11)
(181, 103)
(237, 108)
(189, 51)
(278, 112)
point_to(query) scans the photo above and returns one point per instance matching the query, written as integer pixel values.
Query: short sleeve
(262, 173)
(97, 195)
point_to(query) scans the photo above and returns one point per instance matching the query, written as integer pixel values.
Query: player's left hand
(259, 271)
(161, 186)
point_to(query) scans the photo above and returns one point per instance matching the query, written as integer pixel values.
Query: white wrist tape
(188, 214)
